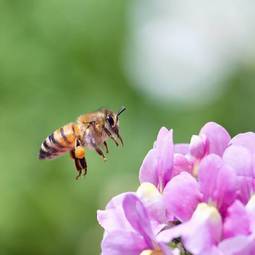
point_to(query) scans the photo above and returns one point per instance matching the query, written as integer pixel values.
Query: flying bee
(90, 131)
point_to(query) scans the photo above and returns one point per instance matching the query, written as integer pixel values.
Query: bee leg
(110, 135)
(106, 147)
(72, 154)
(80, 162)
(79, 174)
(120, 138)
(79, 151)
(77, 164)
(99, 152)
(81, 166)
(83, 163)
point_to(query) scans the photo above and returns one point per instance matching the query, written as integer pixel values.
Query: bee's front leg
(106, 147)
(110, 135)
(99, 152)
(120, 138)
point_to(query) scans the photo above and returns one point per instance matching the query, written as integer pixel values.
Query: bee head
(112, 121)
(112, 118)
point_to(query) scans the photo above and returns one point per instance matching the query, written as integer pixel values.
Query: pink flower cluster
(195, 198)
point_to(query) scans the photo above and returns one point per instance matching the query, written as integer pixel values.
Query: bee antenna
(122, 109)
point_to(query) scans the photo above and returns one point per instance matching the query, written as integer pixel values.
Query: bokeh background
(172, 63)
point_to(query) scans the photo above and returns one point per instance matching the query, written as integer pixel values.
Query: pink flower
(128, 228)
(208, 186)
(241, 156)
(216, 185)
(158, 163)
(181, 196)
(208, 233)
(212, 138)
(162, 162)
(198, 234)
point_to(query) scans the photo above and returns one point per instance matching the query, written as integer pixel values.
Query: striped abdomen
(59, 142)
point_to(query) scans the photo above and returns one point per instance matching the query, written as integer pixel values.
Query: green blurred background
(59, 59)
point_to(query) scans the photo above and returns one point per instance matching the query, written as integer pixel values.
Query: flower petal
(182, 148)
(240, 159)
(217, 138)
(197, 146)
(181, 163)
(200, 233)
(246, 140)
(113, 217)
(245, 188)
(181, 196)
(250, 208)
(157, 165)
(148, 170)
(153, 201)
(239, 245)
(138, 218)
(214, 250)
(122, 242)
(217, 182)
(237, 221)
(165, 150)
(204, 229)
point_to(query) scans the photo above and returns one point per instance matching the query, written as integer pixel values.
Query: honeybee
(91, 131)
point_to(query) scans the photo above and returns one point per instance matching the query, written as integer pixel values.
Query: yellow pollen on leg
(79, 152)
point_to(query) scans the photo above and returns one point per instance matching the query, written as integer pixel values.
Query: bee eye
(110, 120)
